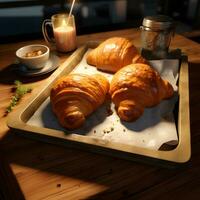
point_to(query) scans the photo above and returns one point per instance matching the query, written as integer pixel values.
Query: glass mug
(64, 30)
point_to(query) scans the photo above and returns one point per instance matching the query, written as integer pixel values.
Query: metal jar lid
(158, 22)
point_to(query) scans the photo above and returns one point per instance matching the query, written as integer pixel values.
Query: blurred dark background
(22, 19)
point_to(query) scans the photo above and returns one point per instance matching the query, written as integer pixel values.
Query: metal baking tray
(17, 121)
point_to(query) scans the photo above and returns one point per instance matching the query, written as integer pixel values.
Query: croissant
(113, 54)
(135, 87)
(75, 96)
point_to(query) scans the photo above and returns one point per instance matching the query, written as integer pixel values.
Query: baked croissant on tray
(113, 54)
(75, 96)
(135, 87)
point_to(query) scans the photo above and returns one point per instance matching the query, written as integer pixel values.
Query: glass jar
(156, 34)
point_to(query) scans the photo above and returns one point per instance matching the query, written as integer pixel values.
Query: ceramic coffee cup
(33, 56)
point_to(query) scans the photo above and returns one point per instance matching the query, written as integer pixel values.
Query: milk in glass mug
(64, 30)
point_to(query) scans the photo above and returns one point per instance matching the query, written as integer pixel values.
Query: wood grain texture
(44, 171)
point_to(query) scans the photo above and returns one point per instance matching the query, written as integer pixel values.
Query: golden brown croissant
(113, 54)
(75, 96)
(135, 87)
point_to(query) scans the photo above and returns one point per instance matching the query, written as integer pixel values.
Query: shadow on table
(8, 75)
(107, 174)
(10, 189)
(116, 178)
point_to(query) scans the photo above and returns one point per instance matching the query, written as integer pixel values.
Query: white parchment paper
(154, 128)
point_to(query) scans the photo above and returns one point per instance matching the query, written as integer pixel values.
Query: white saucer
(51, 65)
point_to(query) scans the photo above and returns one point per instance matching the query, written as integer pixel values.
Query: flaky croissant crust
(135, 87)
(113, 54)
(75, 96)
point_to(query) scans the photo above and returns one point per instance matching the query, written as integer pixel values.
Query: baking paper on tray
(154, 128)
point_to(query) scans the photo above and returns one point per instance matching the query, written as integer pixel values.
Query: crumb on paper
(108, 130)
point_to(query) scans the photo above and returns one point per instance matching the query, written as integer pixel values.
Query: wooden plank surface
(35, 170)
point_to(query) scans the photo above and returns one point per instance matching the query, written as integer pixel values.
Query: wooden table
(36, 170)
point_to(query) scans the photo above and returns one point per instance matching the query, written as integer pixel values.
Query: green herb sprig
(20, 91)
